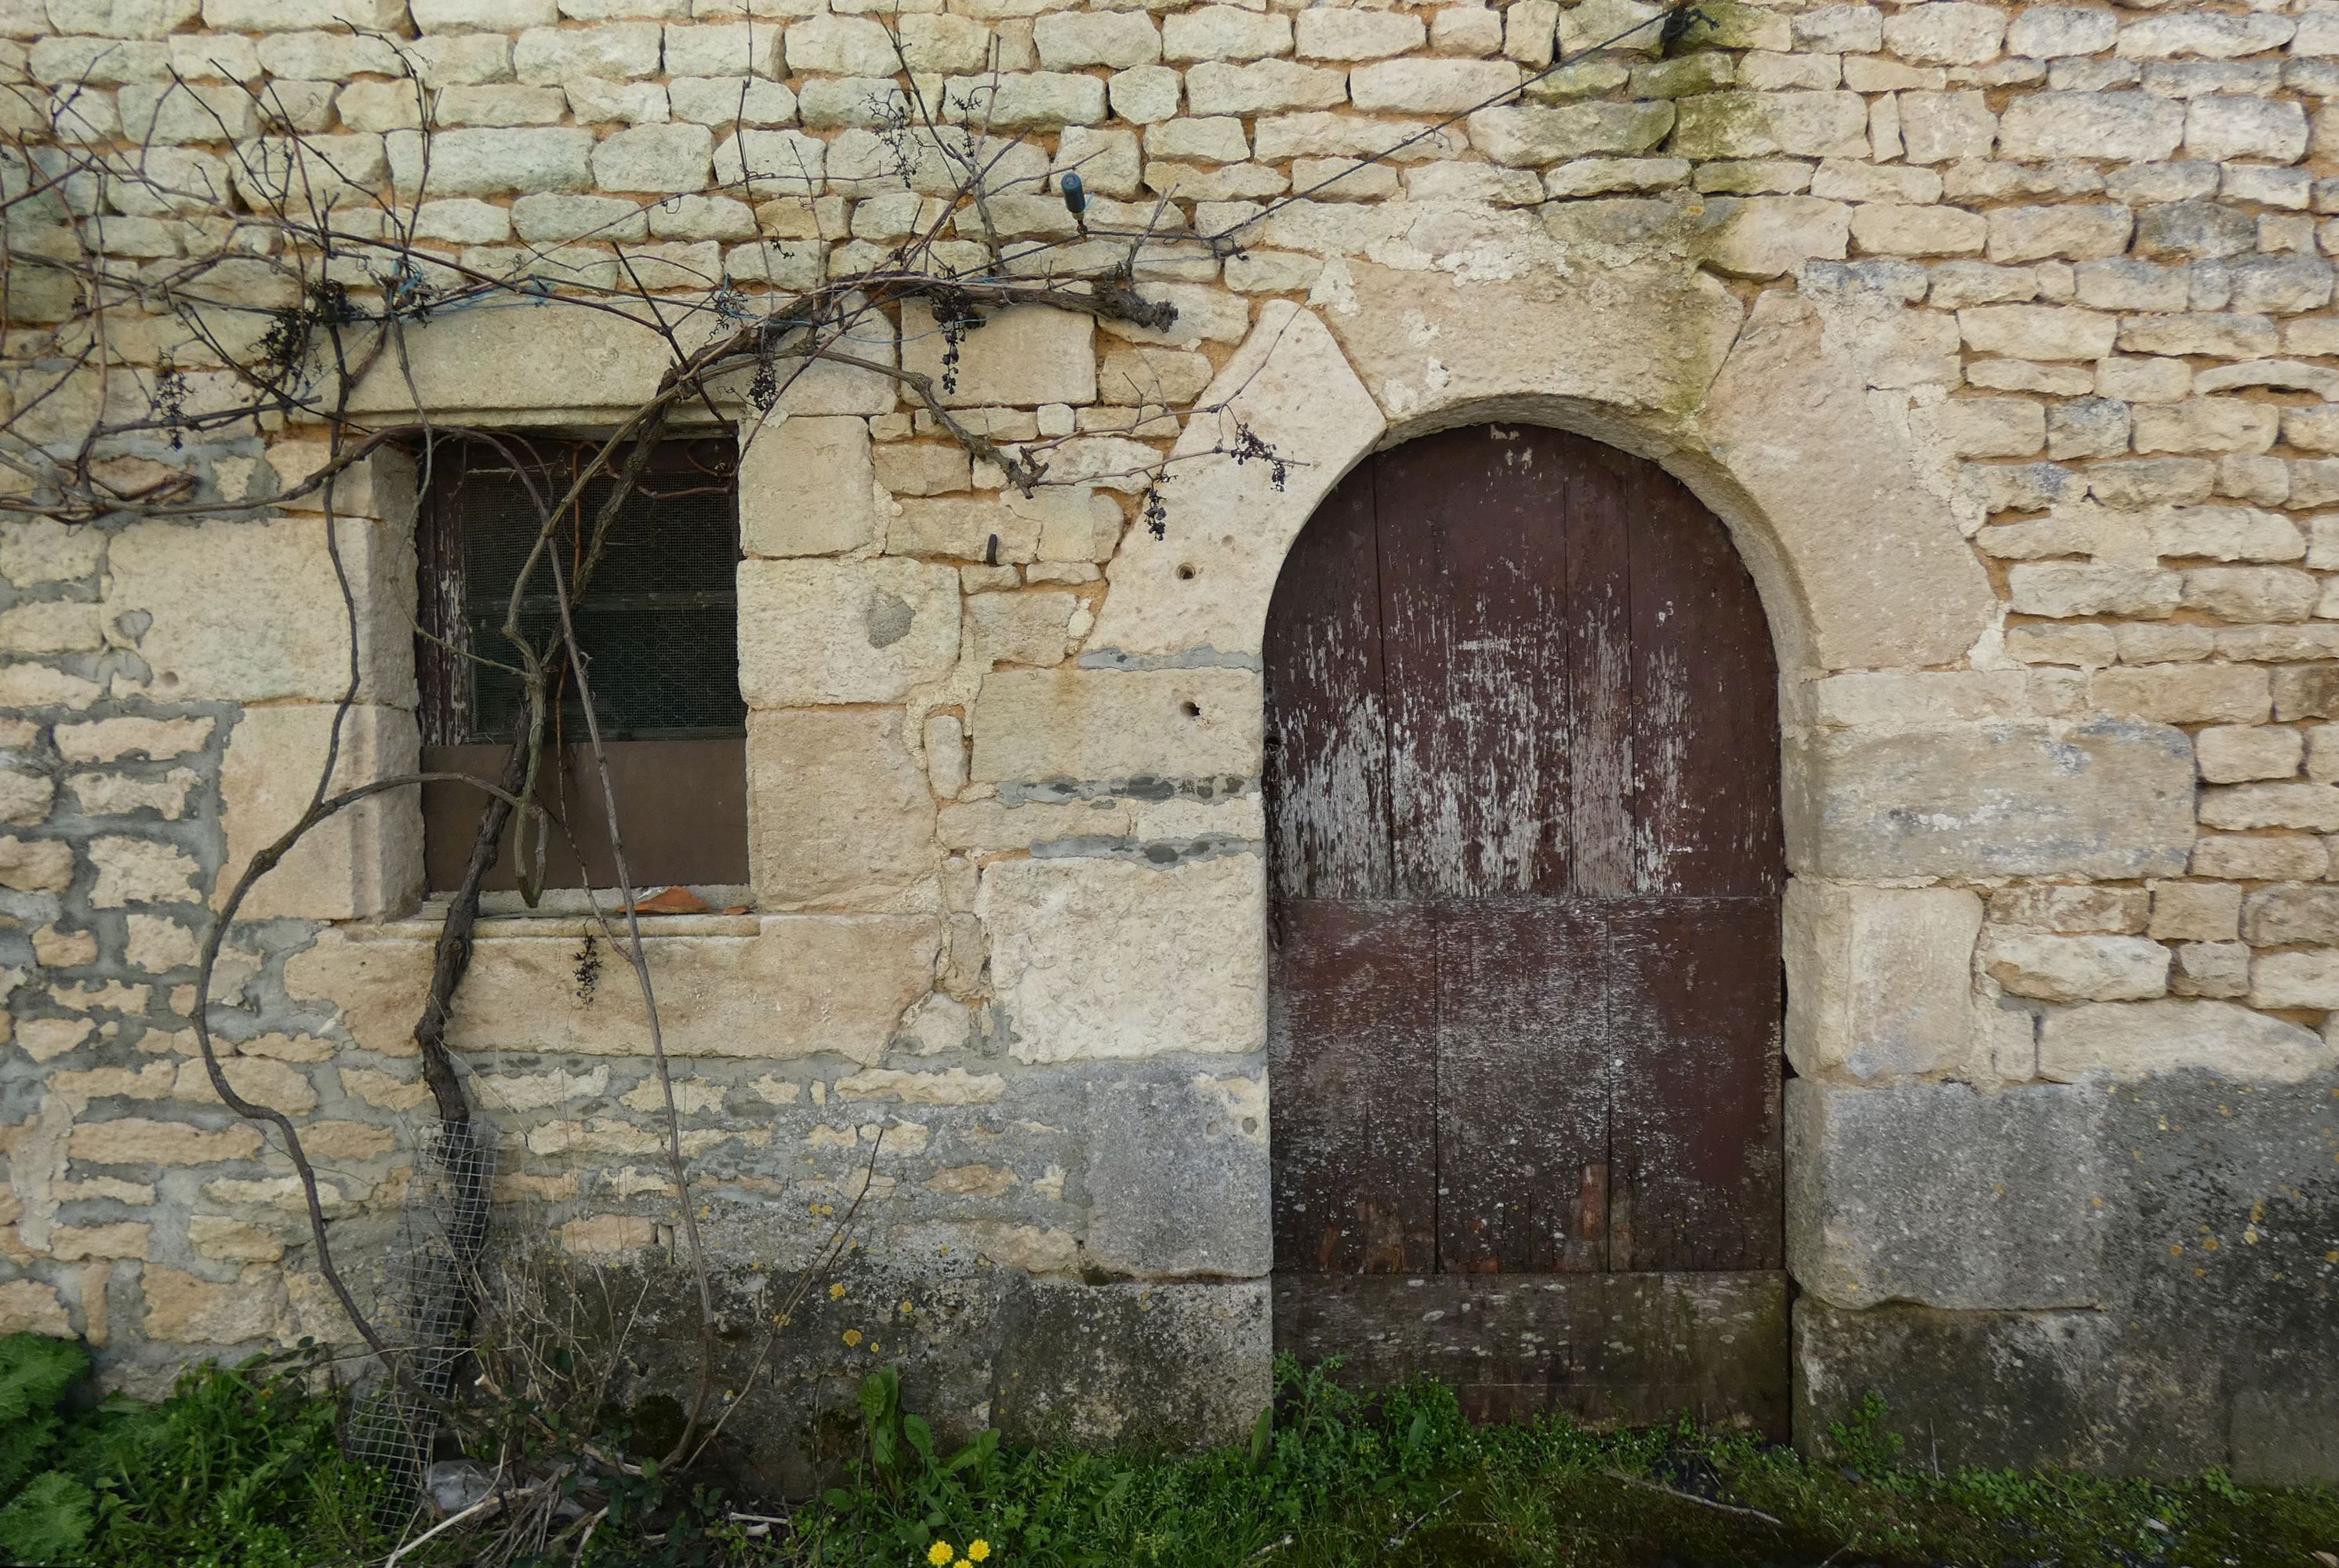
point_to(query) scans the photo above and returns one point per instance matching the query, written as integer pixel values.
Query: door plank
(1326, 782)
(1704, 706)
(1475, 659)
(1523, 1086)
(1630, 1349)
(1352, 1053)
(1695, 999)
(1599, 700)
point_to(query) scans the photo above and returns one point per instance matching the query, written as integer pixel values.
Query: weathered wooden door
(1523, 800)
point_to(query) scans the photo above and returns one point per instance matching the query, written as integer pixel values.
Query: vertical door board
(1353, 1059)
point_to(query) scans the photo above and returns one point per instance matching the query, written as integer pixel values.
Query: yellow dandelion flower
(961, 1563)
(939, 1553)
(852, 1337)
(836, 1291)
(978, 1550)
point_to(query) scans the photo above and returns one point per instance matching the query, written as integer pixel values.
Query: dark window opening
(657, 619)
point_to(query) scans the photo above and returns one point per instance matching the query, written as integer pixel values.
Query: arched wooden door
(1523, 803)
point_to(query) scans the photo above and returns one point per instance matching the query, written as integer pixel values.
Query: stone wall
(2002, 336)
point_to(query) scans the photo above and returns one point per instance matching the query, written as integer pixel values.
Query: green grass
(1340, 1480)
(241, 1468)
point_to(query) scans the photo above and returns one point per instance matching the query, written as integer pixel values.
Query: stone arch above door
(1855, 546)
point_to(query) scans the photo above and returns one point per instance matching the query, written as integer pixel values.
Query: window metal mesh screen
(657, 619)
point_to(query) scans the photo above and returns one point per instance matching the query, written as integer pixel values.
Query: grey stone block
(1175, 1365)
(1177, 1177)
(2007, 1388)
(1934, 1193)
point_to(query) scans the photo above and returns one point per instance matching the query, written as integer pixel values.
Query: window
(658, 622)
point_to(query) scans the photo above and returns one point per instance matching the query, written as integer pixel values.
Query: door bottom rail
(1628, 1349)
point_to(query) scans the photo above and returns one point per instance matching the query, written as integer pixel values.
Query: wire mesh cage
(427, 1298)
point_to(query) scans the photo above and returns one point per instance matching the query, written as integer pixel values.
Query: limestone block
(2125, 127)
(1879, 982)
(1206, 584)
(1178, 1179)
(1985, 427)
(1533, 134)
(1094, 957)
(142, 871)
(2296, 980)
(2294, 913)
(494, 162)
(36, 550)
(279, 1085)
(841, 46)
(29, 1307)
(1359, 35)
(2141, 1039)
(805, 487)
(139, 1140)
(984, 528)
(1898, 229)
(921, 467)
(2061, 588)
(839, 816)
(815, 631)
(671, 157)
(365, 861)
(185, 1308)
(1221, 32)
(1026, 99)
(2250, 594)
(987, 826)
(1031, 627)
(2105, 798)
(2196, 911)
(2215, 969)
(1262, 87)
(251, 611)
(1020, 357)
(1770, 236)
(1418, 86)
(2183, 694)
(2220, 128)
(1937, 127)
(2077, 968)
(2241, 754)
(2037, 332)
(1945, 32)
(1821, 469)
(2253, 859)
(775, 994)
(1881, 1175)
(1108, 725)
(1144, 95)
(1283, 136)
(2241, 807)
(772, 163)
(35, 866)
(1821, 124)
(110, 740)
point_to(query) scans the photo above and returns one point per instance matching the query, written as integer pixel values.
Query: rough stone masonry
(2002, 335)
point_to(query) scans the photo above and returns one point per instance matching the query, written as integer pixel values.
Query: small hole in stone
(1186, 574)
(1192, 710)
